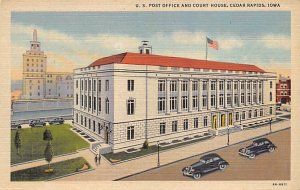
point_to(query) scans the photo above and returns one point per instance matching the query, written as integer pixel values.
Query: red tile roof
(166, 61)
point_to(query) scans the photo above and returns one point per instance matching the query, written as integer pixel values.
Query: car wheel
(271, 149)
(222, 167)
(197, 176)
(184, 173)
(252, 156)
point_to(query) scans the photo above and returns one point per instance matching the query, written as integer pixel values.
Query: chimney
(145, 48)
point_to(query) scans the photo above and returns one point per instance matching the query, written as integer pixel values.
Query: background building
(127, 98)
(283, 90)
(37, 82)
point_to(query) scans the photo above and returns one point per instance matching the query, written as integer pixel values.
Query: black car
(206, 164)
(257, 147)
(15, 125)
(37, 123)
(56, 121)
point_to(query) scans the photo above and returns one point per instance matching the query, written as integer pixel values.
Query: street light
(270, 120)
(158, 163)
(227, 128)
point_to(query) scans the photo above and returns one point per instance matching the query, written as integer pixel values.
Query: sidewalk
(106, 171)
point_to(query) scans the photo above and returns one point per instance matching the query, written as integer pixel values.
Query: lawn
(121, 156)
(64, 141)
(39, 174)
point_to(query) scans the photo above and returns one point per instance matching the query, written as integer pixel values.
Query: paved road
(267, 166)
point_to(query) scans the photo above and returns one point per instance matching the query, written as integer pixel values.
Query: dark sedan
(206, 164)
(14, 125)
(257, 147)
(37, 123)
(56, 121)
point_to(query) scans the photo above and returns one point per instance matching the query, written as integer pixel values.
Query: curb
(75, 173)
(131, 159)
(118, 179)
(41, 159)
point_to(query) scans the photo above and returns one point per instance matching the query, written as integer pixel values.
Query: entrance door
(106, 135)
(223, 120)
(214, 122)
(230, 119)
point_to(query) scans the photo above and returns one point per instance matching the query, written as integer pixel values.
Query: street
(267, 166)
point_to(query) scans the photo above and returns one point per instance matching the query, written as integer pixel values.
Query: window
(271, 111)
(106, 85)
(89, 123)
(213, 100)
(204, 101)
(255, 113)
(228, 85)
(76, 83)
(271, 96)
(205, 121)
(94, 104)
(174, 126)
(130, 133)
(162, 128)
(242, 85)
(99, 85)
(185, 124)
(184, 86)
(130, 107)
(161, 85)
(76, 99)
(243, 115)
(237, 116)
(228, 99)
(249, 98)
(184, 103)
(85, 101)
(90, 99)
(99, 128)
(85, 84)
(221, 85)
(259, 98)
(94, 126)
(259, 85)
(221, 99)
(90, 82)
(94, 85)
(81, 100)
(195, 122)
(99, 104)
(242, 98)
(213, 85)
(254, 97)
(248, 85)
(173, 86)
(107, 106)
(254, 85)
(161, 104)
(81, 120)
(235, 85)
(249, 114)
(195, 86)
(130, 85)
(173, 103)
(204, 85)
(271, 84)
(195, 102)
(261, 112)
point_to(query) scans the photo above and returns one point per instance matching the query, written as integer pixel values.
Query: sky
(75, 39)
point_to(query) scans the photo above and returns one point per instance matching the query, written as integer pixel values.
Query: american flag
(212, 43)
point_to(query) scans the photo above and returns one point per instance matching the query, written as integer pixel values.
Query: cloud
(230, 43)
(276, 41)
(185, 37)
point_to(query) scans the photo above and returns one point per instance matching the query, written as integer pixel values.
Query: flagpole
(206, 48)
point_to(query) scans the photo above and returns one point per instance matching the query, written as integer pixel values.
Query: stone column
(225, 94)
(179, 96)
(217, 94)
(208, 93)
(190, 95)
(251, 92)
(199, 94)
(239, 93)
(257, 92)
(168, 92)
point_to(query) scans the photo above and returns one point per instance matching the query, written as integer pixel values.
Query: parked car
(56, 121)
(257, 147)
(37, 123)
(206, 164)
(15, 125)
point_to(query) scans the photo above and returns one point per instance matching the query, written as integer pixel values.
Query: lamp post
(158, 162)
(270, 120)
(227, 128)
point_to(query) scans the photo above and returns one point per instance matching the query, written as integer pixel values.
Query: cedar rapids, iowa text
(254, 5)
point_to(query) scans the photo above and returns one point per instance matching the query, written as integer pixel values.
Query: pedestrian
(96, 159)
(99, 158)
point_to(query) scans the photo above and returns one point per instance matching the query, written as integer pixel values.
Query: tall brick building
(283, 90)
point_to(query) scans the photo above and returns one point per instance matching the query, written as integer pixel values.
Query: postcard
(145, 94)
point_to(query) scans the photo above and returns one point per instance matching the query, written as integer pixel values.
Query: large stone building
(37, 82)
(283, 90)
(127, 98)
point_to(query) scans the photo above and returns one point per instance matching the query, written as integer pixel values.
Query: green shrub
(145, 145)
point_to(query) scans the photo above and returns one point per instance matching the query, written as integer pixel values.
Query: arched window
(107, 106)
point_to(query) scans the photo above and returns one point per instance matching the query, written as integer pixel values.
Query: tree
(48, 153)
(18, 142)
(47, 135)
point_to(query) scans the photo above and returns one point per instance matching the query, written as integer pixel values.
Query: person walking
(96, 159)
(99, 158)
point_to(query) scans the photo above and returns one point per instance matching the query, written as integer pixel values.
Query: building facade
(37, 82)
(128, 98)
(283, 90)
